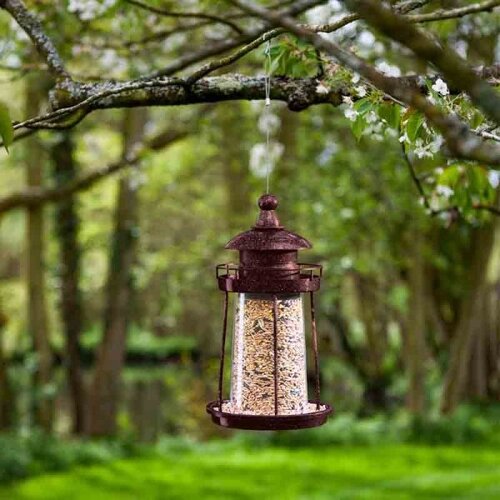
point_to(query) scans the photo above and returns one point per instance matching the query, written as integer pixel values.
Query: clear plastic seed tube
(253, 363)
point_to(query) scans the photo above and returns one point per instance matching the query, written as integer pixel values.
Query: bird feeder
(269, 373)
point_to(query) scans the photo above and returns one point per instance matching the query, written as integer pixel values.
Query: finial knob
(268, 202)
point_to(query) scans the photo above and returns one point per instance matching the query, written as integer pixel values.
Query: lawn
(395, 471)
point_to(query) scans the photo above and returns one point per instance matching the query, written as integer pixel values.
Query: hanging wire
(267, 109)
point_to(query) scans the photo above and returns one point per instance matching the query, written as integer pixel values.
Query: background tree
(391, 167)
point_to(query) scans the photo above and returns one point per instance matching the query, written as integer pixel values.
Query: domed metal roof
(268, 233)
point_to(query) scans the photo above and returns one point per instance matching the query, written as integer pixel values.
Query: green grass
(220, 472)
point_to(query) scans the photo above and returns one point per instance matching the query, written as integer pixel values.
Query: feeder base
(269, 422)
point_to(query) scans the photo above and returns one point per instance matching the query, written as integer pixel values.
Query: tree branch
(229, 44)
(32, 27)
(401, 8)
(70, 97)
(416, 180)
(461, 142)
(453, 210)
(452, 66)
(488, 208)
(195, 15)
(442, 14)
(72, 100)
(35, 197)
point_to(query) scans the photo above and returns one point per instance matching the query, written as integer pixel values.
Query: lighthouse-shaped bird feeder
(268, 370)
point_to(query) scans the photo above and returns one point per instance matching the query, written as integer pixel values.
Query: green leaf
(6, 128)
(363, 105)
(413, 126)
(358, 127)
(391, 113)
(470, 185)
(293, 58)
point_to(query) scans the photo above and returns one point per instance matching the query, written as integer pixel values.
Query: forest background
(136, 149)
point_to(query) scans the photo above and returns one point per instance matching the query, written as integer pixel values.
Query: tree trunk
(6, 399)
(415, 346)
(35, 279)
(373, 315)
(477, 384)
(234, 160)
(494, 339)
(111, 355)
(67, 228)
(467, 330)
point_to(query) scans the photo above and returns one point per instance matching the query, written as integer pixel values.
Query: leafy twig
(461, 142)
(195, 15)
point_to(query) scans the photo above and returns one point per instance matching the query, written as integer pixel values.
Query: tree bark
(111, 355)
(35, 279)
(67, 227)
(6, 396)
(372, 313)
(415, 346)
(298, 93)
(494, 340)
(234, 161)
(467, 331)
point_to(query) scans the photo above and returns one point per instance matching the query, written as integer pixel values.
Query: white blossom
(89, 9)
(494, 178)
(445, 191)
(322, 89)
(319, 15)
(350, 114)
(436, 144)
(360, 90)
(366, 39)
(440, 87)
(371, 117)
(388, 69)
(355, 78)
(422, 150)
(335, 5)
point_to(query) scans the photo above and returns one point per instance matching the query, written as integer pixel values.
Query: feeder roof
(268, 234)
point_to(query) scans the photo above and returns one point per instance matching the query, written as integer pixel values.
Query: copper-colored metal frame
(268, 422)
(276, 421)
(268, 264)
(305, 278)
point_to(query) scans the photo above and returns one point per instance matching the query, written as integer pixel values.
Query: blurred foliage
(343, 178)
(37, 453)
